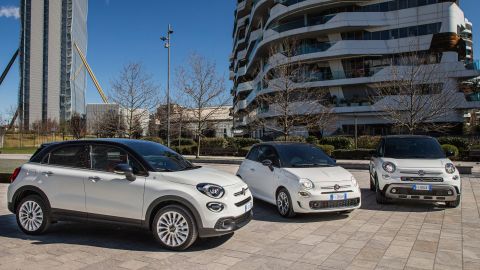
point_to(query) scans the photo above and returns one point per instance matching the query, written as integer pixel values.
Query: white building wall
(54, 53)
(36, 62)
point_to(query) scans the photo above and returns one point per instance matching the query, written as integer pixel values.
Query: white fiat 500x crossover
(130, 182)
(414, 168)
(299, 178)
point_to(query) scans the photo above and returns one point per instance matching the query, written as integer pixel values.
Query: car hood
(418, 163)
(202, 175)
(321, 174)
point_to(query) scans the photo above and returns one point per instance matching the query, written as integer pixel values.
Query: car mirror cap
(126, 170)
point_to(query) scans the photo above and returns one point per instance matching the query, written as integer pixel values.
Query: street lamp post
(168, 45)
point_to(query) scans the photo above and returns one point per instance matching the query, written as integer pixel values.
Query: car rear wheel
(33, 215)
(174, 228)
(284, 204)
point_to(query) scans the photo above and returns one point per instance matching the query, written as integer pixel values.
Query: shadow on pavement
(99, 235)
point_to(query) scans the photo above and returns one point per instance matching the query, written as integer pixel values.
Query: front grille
(238, 204)
(422, 179)
(411, 191)
(333, 187)
(334, 204)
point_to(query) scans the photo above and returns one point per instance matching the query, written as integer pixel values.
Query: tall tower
(52, 78)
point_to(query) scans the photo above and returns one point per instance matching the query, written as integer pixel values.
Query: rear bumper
(226, 225)
(439, 193)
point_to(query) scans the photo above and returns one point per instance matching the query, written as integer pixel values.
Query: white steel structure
(350, 45)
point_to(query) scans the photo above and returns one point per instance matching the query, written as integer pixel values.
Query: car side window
(75, 156)
(253, 154)
(381, 148)
(106, 157)
(268, 152)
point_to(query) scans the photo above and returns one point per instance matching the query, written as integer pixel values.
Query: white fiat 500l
(130, 182)
(299, 178)
(414, 168)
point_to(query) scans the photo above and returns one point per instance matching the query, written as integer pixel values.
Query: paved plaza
(397, 236)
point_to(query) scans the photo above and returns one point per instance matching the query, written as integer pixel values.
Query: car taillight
(15, 174)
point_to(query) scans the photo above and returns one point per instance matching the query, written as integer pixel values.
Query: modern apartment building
(53, 79)
(348, 48)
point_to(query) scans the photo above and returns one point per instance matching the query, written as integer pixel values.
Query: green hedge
(183, 141)
(338, 142)
(451, 148)
(357, 154)
(240, 143)
(153, 139)
(459, 142)
(290, 139)
(213, 143)
(328, 149)
(312, 140)
(368, 142)
(185, 149)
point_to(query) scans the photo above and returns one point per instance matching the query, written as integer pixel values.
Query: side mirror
(125, 169)
(268, 163)
(449, 153)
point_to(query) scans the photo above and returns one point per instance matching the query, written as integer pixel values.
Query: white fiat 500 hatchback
(299, 178)
(130, 182)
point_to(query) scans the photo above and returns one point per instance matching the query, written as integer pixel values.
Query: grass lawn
(14, 150)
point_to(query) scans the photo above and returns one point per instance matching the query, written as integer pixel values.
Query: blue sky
(121, 31)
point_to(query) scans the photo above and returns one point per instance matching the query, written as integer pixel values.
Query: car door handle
(252, 169)
(47, 173)
(94, 179)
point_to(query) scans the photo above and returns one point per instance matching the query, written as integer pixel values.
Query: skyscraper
(52, 76)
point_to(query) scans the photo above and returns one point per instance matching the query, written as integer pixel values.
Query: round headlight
(305, 183)
(450, 168)
(389, 167)
(354, 182)
(211, 190)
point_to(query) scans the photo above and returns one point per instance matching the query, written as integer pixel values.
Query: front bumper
(438, 192)
(226, 225)
(319, 202)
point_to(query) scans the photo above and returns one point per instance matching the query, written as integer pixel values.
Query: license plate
(338, 196)
(248, 206)
(422, 187)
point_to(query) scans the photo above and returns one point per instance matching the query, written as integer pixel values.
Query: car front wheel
(454, 204)
(174, 228)
(32, 215)
(284, 204)
(379, 196)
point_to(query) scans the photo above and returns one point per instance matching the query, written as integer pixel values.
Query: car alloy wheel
(174, 227)
(284, 204)
(32, 215)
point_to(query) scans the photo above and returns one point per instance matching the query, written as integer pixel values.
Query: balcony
(241, 105)
(246, 86)
(473, 65)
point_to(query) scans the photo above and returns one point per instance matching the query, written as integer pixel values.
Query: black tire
(379, 196)
(33, 215)
(284, 197)
(454, 204)
(186, 238)
(372, 184)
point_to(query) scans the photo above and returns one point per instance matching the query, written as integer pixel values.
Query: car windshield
(161, 158)
(303, 155)
(414, 148)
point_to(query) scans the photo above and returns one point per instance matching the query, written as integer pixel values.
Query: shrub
(452, 148)
(239, 143)
(153, 139)
(290, 139)
(312, 140)
(183, 141)
(459, 142)
(475, 147)
(338, 142)
(328, 149)
(244, 151)
(357, 154)
(185, 149)
(368, 142)
(213, 143)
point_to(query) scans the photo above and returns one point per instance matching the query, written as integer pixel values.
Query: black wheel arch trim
(18, 195)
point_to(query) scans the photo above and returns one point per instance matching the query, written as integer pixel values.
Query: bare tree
(416, 97)
(78, 126)
(204, 92)
(288, 102)
(110, 125)
(136, 93)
